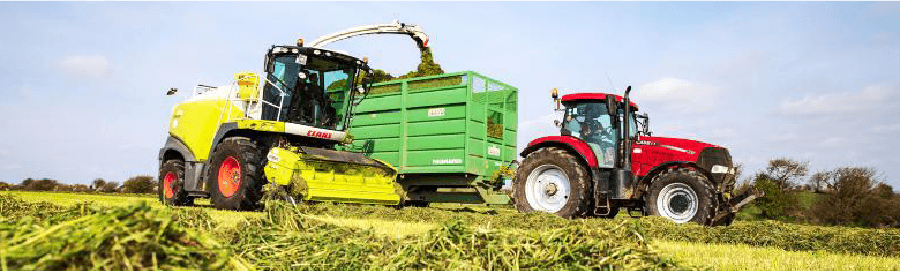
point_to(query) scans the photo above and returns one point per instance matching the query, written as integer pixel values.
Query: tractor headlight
(717, 169)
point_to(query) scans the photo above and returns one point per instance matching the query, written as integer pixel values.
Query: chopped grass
(745, 257)
(685, 245)
(112, 238)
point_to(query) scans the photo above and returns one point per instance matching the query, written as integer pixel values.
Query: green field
(419, 221)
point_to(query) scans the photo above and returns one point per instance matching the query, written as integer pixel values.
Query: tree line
(136, 184)
(850, 196)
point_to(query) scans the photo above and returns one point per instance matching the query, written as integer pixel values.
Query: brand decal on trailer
(494, 150)
(446, 161)
(436, 112)
(319, 134)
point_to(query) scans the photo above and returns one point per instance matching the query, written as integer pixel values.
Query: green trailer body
(444, 134)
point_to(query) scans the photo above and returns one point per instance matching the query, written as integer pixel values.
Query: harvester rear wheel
(171, 181)
(682, 195)
(236, 174)
(552, 180)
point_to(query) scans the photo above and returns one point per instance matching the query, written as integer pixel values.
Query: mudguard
(584, 151)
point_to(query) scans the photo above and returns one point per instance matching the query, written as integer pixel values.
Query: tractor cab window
(314, 90)
(591, 122)
(633, 126)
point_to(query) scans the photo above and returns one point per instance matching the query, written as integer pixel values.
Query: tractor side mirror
(611, 104)
(171, 91)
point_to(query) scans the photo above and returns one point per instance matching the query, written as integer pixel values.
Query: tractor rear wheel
(236, 174)
(682, 195)
(552, 180)
(171, 184)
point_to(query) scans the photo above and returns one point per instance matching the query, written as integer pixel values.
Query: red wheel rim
(168, 185)
(229, 176)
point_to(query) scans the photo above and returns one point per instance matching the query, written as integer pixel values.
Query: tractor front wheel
(552, 180)
(171, 184)
(236, 174)
(682, 195)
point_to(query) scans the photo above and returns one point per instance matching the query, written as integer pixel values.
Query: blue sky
(83, 83)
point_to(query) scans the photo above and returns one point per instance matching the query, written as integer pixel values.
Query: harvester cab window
(590, 122)
(314, 94)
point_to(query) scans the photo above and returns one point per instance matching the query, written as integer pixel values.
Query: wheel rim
(168, 185)
(229, 176)
(678, 202)
(547, 188)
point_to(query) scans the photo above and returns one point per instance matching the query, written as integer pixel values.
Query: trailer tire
(552, 180)
(171, 184)
(236, 174)
(687, 196)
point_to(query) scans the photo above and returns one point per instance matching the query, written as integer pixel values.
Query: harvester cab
(275, 132)
(602, 161)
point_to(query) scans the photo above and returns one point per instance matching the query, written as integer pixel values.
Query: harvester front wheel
(236, 174)
(171, 181)
(552, 180)
(682, 195)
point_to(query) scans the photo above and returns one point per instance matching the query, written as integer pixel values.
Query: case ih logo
(646, 142)
(319, 134)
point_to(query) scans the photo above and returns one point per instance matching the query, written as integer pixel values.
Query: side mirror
(171, 91)
(611, 104)
(557, 123)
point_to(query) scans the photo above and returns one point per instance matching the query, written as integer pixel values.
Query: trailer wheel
(552, 180)
(171, 184)
(236, 174)
(682, 195)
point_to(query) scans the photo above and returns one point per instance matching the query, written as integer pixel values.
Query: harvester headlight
(295, 51)
(317, 52)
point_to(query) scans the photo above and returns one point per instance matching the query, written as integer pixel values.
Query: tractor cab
(311, 86)
(588, 116)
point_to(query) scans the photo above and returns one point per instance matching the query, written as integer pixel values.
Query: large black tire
(689, 196)
(171, 184)
(540, 162)
(239, 161)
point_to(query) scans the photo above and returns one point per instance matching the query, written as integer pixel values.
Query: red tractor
(592, 170)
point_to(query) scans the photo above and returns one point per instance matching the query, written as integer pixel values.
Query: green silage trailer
(450, 136)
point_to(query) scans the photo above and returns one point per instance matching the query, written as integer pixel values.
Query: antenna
(613, 86)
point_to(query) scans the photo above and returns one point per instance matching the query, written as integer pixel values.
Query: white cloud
(884, 8)
(538, 127)
(11, 166)
(833, 103)
(781, 137)
(85, 66)
(678, 95)
(724, 134)
(885, 128)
